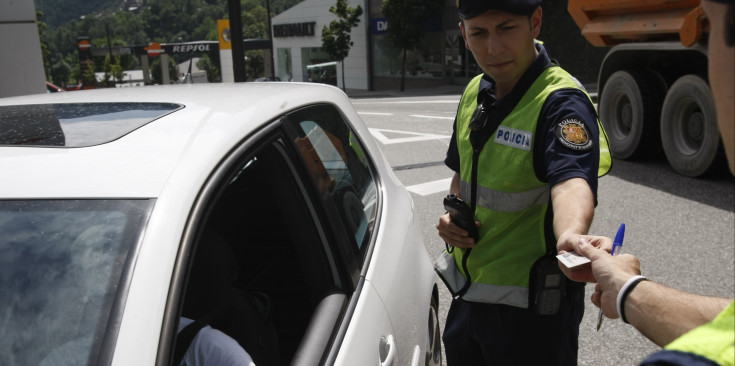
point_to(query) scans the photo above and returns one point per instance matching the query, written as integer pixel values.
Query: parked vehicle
(653, 82)
(112, 198)
(51, 88)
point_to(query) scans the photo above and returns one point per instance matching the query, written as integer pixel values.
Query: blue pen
(617, 244)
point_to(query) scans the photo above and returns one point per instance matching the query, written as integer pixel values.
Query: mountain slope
(58, 12)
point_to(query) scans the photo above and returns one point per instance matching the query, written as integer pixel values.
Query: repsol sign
(187, 48)
(294, 30)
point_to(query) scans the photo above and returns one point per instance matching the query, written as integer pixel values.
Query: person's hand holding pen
(611, 273)
(617, 246)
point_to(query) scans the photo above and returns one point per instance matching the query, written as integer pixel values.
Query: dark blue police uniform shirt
(553, 161)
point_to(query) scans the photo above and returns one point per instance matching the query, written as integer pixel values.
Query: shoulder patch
(573, 134)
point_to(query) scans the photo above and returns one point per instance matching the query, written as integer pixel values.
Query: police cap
(471, 8)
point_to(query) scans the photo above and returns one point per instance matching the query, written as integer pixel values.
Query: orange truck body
(652, 82)
(608, 22)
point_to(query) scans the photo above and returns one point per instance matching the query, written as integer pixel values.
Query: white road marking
(425, 189)
(411, 102)
(379, 135)
(375, 113)
(432, 117)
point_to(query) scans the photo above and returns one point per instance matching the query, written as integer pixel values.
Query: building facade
(21, 63)
(374, 63)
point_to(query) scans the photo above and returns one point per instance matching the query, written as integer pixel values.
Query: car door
(295, 206)
(348, 189)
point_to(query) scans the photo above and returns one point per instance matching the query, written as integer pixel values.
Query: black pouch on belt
(546, 286)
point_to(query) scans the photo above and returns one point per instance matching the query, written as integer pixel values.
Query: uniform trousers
(494, 334)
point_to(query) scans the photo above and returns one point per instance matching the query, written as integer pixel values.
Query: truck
(653, 91)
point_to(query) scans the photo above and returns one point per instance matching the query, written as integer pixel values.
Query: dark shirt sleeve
(452, 159)
(562, 162)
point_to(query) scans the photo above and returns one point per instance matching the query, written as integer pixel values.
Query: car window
(263, 253)
(339, 167)
(60, 270)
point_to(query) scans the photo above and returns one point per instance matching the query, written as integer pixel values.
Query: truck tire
(689, 133)
(629, 110)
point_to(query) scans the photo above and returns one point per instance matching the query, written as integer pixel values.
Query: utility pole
(238, 51)
(270, 38)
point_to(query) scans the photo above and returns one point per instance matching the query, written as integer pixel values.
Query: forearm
(454, 187)
(574, 208)
(662, 314)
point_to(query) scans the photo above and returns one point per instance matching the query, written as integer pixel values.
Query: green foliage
(405, 18)
(106, 67)
(336, 39)
(255, 23)
(58, 12)
(117, 70)
(165, 21)
(211, 66)
(88, 76)
(157, 76)
(60, 72)
(45, 52)
(113, 71)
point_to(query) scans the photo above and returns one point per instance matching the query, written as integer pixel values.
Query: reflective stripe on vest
(507, 201)
(478, 292)
(714, 341)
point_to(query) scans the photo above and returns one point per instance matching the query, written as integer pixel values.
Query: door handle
(387, 350)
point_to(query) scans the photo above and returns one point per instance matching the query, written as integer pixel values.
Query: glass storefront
(284, 69)
(317, 67)
(422, 62)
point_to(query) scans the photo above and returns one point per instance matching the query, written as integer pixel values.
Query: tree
(60, 72)
(405, 19)
(336, 39)
(157, 72)
(107, 68)
(88, 76)
(211, 66)
(45, 51)
(254, 26)
(117, 70)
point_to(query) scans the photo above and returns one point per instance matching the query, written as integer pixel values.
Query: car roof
(191, 140)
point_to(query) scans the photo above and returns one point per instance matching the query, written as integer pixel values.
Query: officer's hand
(569, 243)
(453, 234)
(611, 273)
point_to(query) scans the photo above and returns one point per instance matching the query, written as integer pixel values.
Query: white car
(264, 210)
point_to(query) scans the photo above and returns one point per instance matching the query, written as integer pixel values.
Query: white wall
(21, 63)
(356, 71)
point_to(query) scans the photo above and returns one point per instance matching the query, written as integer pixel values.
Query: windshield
(61, 264)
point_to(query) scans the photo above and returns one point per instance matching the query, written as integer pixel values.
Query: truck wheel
(629, 106)
(689, 133)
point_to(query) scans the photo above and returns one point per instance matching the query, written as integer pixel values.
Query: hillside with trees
(139, 22)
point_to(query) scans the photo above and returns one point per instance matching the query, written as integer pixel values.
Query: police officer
(526, 152)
